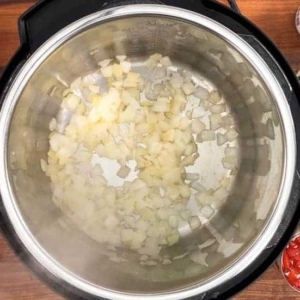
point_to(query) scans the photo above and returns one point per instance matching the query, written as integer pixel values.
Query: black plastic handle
(47, 17)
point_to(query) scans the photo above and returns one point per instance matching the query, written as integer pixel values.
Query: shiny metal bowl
(240, 229)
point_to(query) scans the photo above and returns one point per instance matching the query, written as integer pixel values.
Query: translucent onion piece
(194, 223)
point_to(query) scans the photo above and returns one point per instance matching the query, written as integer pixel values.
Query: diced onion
(197, 186)
(53, 125)
(107, 71)
(123, 172)
(160, 106)
(94, 88)
(214, 97)
(198, 112)
(143, 129)
(176, 80)
(188, 88)
(199, 258)
(207, 211)
(121, 58)
(194, 223)
(166, 62)
(230, 162)
(217, 109)
(173, 239)
(215, 122)
(185, 215)
(221, 139)
(156, 57)
(126, 66)
(208, 135)
(104, 63)
(231, 135)
(198, 126)
(44, 165)
(270, 129)
(117, 70)
(201, 93)
(192, 176)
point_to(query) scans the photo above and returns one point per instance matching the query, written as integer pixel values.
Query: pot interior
(235, 226)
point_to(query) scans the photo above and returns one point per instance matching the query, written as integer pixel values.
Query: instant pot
(61, 40)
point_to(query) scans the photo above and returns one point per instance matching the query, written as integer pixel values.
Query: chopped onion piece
(231, 151)
(124, 171)
(234, 172)
(207, 211)
(189, 114)
(214, 97)
(185, 191)
(167, 262)
(131, 80)
(53, 125)
(221, 139)
(215, 121)
(205, 197)
(71, 102)
(107, 71)
(185, 215)
(166, 62)
(208, 135)
(126, 66)
(174, 222)
(156, 57)
(117, 70)
(270, 129)
(173, 239)
(198, 112)
(161, 107)
(197, 186)
(192, 176)
(201, 93)
(94, 89)
(194, 223)
(198, 126)
(230, 162)
(44, 165)
(121, 58)
(217, 109)
(105, 63)
(189, 160)
(150, 263)
(176, 80)
(159, 73)
(187, 76)
(199, 258)
(228, 122)
(188, 88)
(220, 195)
(226, 182)
(231, 135)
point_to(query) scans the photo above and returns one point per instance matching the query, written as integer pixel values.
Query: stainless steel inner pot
(241, 228)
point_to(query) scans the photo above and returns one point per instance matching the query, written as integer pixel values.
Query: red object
(294, 244)
(291, 263)
(286, 263)
(293, 253)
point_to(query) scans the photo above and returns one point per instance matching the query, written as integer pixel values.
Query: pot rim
(78, 27)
